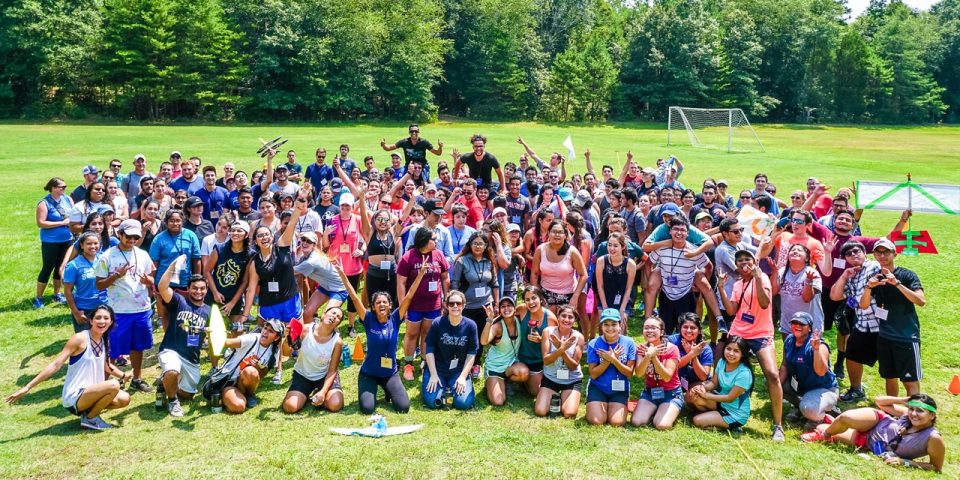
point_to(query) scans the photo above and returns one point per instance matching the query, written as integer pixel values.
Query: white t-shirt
(309, 223)
(676, 270)
(258, 354)
(127, 294)
(207, 244)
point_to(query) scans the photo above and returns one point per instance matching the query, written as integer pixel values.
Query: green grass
(39, 439)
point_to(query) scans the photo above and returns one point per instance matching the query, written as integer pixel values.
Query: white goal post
(712, 127)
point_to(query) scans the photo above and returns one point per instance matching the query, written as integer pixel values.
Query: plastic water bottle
(238, 327)
(555, 405)
(345, 358)
(158, 404)
(447, 397)
(215, 404)
(381, 425)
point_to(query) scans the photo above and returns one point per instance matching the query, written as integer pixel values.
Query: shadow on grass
(55, 320)
(22, 306)
(48, 351)
(66, 428)
(39, 396)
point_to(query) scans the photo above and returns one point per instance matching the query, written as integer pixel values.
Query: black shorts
(899, 360)
(534, 367)
(493, 374)
(554, 299)
(830, 308)
(724, 413)
(862, 347)
(304, 385)
(559, 387)
(670, 310)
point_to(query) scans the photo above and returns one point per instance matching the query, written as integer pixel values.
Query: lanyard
(478, 269)
(744, 294)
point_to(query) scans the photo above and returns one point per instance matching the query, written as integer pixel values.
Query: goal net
(712, 128)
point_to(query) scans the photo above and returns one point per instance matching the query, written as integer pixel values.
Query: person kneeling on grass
(179, 354)
(382, 326)
(725, 399)
(662, 399)
(502, 333)
(315, 373)
(900, 431)
(451, 350)
(254, 354)
(86, 391)
(696, 356)
(808, 382)
(562, 375)
(611, 358)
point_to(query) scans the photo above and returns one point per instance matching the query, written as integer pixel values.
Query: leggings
(479, 316)
(355, 282)
(392, 386)
(52, 255)
(375, 284)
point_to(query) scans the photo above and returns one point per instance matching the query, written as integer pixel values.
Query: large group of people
(518, 278)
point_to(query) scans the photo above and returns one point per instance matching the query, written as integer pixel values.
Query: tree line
(550, 60)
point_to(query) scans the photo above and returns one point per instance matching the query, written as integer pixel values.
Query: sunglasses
(745, 197)
(134, 237)
(414, 131)
(454, 304)
(852, 252)
(383, 220)
(796, 221)
(795, 197)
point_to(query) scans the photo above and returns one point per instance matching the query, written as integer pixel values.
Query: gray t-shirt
(317, 267)
(475, 279)
(791, 300)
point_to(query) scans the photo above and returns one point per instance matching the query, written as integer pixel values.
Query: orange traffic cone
(358, 354)
(954, 387)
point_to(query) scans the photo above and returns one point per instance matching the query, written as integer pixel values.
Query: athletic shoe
(278, 378)
(794, 416)
(141, 386)
(121, 362)
(252, 401)
(815, 436)
(721, 325)
(38, 303)
(778, 435)
(838, 370)
(476, 372)
(89, 423)
(828, 419)
(352, 332)
(408, 372)
(175, 409)
(103, 425)
(854, 395)
(60, 298)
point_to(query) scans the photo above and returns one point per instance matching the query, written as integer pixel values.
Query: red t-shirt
(652, 379)
(429, 293)
(474, 211)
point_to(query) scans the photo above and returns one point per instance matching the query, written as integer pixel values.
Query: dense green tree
(948, 71)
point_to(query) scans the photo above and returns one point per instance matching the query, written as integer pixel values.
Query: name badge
(515, 219)
(881, 313)
(794, 384)
(657, 393)
(386, 362)
(385, 264)
(323, 181)
(618, 385)
(563, 373)
(344, 248)
(616, 300)
(672, 280)
(480, 292)
(214, 214)
(454, 363)
(193, 340)
(747, 318)
(852, 302)
(273, 287)
(839, 263)
(433, 286)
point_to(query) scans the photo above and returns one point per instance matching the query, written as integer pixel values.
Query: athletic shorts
(727, 418)
(862, 347)
(133, 332)
(171, 361)
(860, 439)
(283, 311)
(674, 397)
(555, 299)
(70, 401)
(493, 374)
(594, 394)
(757, 344)
(560, 387)
(670, 310)
(341, 295)
(899, 360)
(304, 385)
(414, 317)
(534, 367)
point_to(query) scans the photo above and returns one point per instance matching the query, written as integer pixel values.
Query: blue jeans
(435, 400)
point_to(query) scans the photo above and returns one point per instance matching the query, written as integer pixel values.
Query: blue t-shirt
(166, 248)
(739, 408)
(686, 372)
(382, 341)
(186, 320)
(799, 363)
(80, 272)
(451, 344)
(191, 187)
(319, 175)
(214, 202)
(459, 237)
(605, 381)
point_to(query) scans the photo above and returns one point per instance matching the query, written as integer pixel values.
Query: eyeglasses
(264, 235)
(882, 252)
(853, 252)
(478, 244)
(795, 197)
(650, 328)
(304, 240)
(745, 197)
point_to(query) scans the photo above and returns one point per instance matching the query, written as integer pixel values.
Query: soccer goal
(713, 128)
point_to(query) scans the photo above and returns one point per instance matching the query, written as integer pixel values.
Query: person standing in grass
(53, 219)
(562, 374)
(430, 292)
(725, 398)
(80, 282)
(612, 358)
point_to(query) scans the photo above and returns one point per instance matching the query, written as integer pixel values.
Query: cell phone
(783, 222)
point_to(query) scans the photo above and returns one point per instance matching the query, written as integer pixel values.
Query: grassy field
(39, 439)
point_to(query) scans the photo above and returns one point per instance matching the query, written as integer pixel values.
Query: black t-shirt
(230, 268)
(327, 212)
(250, 216)
(414, 152)
(517, 209)
(482, 170)
(186, 319)
(277, 283)
(902, 323)
(201, 230)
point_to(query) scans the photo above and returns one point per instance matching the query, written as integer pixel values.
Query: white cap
(131, 228)
(347, 199)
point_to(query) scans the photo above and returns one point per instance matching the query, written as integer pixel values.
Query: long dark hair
(691, 317)
(488, 251)
(90, 192)
(106, 334)
(104, 235)
(422, 238)
(542, 214)
(746, 355)
(924, 398)
(566, 243)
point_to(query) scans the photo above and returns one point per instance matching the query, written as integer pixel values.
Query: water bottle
(555, 405)
(381, 426)
(158, 403)
(215, 405)
(345, 358)
(238, 327)
(448, 397)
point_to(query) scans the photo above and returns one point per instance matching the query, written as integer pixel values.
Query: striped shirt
(676, 270)
(867, 320)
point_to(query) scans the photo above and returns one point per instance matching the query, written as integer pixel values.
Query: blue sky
(858, 6)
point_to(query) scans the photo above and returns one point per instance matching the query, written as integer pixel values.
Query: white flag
(756, 224)
(925, 197)
(569, 144)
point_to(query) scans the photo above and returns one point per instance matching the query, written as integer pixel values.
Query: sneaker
(61, 299)
(854, 395)
(408, 372)
(838, 370)
(815, 436)
(38, 304)
(778, 435)
(121, 362)
(632, 405)
(721, 325)
(175, 409)
(794, 416)
(103, 424)
(828, 419)
(352, 332)
(89, 423)
(278, 378)
(476, 372)
(141, 386)
(252, 401)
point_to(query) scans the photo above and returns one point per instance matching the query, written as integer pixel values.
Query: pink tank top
(557, 277)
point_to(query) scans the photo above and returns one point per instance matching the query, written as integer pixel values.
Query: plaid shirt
(867, 320)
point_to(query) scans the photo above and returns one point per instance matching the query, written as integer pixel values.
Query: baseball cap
(566, 194)
(508, 298)
(282, 166)
(722, 182)
(582, 198)
(610, 315)
(242, 225)
(669, 208)
(139, 156)
(743, 250)
(701, 216)
(648, 171)
(884, 243)
(431, 206)
(131, 227)
(394, 155)
(336, 184)
(90, 169)
(175, 153)
(346, 199)
(513, 227)
(803, 318)
(275, 325)
(430, 187)
(104, 209)
(498, 210)
(312, 237)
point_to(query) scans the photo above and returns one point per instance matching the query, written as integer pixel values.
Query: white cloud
(858, 6)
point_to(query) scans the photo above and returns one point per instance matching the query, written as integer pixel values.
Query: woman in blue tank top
(55, 238)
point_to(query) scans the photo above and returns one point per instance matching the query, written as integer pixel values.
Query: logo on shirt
(451, 340)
